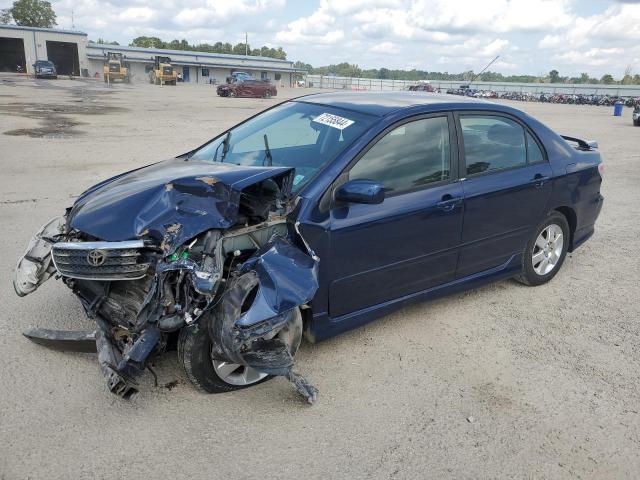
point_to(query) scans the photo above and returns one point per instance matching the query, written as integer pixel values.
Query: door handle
(539, 180)
(448, 203)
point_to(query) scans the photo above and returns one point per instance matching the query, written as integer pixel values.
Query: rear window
(492, 143)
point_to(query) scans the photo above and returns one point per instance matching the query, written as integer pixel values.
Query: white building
(25, 45)
(71, 52)
(198, 67)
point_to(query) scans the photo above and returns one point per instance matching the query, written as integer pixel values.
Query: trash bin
(617, 109)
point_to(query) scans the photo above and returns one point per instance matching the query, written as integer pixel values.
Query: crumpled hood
(180, 198)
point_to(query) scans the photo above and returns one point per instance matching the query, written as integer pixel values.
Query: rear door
(409, 242)
(506, 189)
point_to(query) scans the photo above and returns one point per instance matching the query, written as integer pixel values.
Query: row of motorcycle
(575, 99)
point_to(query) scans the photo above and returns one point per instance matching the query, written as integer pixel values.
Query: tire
(636, 123)
(537, 273)
(194, 352)
(267, 94)
(231, 93)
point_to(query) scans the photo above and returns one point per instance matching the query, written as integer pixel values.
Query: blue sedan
(315, 216)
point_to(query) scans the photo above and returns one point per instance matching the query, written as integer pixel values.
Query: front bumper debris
(35, 266)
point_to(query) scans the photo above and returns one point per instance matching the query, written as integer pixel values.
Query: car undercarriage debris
(211, 248)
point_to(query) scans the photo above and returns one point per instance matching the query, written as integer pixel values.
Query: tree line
(352, 70)
(218, 47)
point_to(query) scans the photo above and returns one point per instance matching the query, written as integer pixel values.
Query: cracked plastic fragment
(35, 266)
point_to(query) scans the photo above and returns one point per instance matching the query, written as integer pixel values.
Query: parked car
(247, 87)
(45, 69)
(317, 216)
(636, 116)
(422, 87)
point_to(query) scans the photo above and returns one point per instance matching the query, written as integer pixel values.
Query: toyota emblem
(95, 258)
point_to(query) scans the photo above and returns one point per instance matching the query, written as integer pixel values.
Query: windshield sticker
(334, 121)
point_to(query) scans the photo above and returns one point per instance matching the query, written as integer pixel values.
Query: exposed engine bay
(169, 254)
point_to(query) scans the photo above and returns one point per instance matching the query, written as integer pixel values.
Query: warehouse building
(74, 54)
(198, 67)
(23, 46)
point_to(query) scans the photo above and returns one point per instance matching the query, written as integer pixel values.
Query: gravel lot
(504, 381)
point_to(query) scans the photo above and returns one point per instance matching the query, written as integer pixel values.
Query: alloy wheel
(547, 250)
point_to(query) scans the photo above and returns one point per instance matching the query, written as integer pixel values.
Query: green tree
(303, 66)
(240, 49)
(607, 79)
(33, 13)
(106, 42)
(554, 76)
(147, 42)
(5, 16)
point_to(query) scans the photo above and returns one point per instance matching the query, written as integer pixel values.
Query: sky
(531, 36)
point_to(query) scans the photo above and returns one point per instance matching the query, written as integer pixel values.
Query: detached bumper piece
(63, 340)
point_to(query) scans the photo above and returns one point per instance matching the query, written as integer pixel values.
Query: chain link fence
(375, 84)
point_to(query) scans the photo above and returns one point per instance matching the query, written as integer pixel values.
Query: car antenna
(267, 152)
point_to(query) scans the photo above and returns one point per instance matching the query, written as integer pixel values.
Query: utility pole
(246, 44)
(73, 27)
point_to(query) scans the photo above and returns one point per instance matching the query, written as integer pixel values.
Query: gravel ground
(503, 381)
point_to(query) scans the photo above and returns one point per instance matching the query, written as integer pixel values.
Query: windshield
(299, 135)
(44, 63)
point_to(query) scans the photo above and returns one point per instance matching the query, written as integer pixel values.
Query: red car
(422, 87)
(248, 87)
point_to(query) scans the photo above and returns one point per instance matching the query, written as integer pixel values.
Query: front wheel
(545, 251)
(195, 351)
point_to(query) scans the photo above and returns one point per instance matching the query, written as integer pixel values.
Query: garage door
(65, 56)
(11, 54)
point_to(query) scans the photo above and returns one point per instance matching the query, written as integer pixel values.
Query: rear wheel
(267, 94)
(546, 251)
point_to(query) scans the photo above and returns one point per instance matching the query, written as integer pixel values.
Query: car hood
(176, 199)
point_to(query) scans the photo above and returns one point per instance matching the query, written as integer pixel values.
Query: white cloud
(531, 36)
(318, 28)
(385, 47)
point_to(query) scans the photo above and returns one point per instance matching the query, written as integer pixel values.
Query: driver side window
(408, 157)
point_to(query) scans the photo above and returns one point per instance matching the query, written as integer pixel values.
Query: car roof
(383, 103)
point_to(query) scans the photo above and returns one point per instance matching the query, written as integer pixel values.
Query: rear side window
(408, 157)
(492, 143)
(534, 154)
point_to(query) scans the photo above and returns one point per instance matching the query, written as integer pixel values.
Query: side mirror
(360, 191)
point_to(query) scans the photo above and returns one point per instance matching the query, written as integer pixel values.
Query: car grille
(167, 71)
(114, 67)
(100, 260)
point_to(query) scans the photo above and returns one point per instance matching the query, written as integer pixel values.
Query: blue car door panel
(404, 245)
(505, 192)
(501, 210)
(410, 241)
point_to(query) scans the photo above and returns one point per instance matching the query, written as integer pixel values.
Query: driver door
(409, 242)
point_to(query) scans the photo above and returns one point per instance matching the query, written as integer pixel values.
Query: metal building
(74, 54)
(23, 46)
(198, 67)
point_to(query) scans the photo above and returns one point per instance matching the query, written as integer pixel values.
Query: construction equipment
(163, 73)
(115, 68)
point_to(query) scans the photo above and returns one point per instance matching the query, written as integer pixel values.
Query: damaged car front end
(195, 252)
